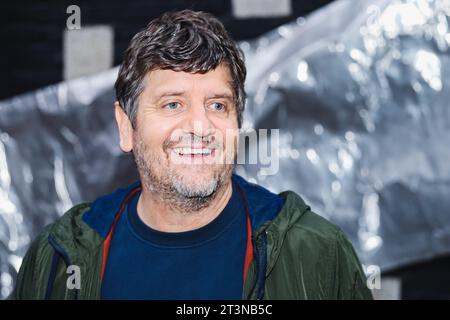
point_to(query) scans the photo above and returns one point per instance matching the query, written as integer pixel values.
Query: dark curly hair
(186, 40)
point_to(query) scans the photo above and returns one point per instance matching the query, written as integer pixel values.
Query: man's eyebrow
(222, 95)
(169, 94)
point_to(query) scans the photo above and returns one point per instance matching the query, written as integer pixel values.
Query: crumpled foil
(357, 90)
(360, 92)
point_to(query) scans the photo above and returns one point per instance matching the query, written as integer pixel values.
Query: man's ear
(125, 128)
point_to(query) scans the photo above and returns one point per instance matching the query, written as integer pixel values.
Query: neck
(163, 217)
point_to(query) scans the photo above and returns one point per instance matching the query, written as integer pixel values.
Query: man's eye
(172, 105)
(216, 106)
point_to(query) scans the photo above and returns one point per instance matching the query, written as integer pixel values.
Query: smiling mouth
(193, 155)
(194, 151)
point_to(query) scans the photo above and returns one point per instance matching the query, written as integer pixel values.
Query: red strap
(249, 249)
(107, 242)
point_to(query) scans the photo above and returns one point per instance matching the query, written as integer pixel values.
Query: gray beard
(169, 186)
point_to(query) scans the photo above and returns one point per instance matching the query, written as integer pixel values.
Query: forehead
(159, 81)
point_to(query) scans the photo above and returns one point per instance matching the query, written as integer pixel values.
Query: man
(190, 228)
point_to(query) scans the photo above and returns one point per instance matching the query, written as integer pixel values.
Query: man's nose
(198, 122)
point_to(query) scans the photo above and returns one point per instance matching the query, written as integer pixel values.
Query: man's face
(185, 134)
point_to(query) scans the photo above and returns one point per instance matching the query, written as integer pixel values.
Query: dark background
(31, 33)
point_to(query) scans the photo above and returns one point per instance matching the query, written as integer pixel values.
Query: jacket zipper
(256, 261)
(63, 254)
(260, 266)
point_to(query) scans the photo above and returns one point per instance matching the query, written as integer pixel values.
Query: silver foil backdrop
(359, 91)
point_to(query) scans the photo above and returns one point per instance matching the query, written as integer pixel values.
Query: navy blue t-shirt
(205, 263)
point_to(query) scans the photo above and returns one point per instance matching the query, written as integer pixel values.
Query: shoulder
(70, 220)
(31, 278)
(301, 219)
(327, 250)
(66, 225)
(308, 231)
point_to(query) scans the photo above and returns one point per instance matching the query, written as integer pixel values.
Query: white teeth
(183, 151)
